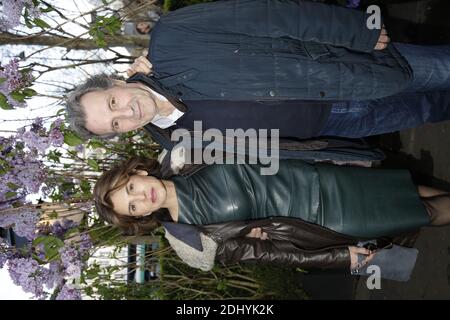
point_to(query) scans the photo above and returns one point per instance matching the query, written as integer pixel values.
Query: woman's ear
(141, 172)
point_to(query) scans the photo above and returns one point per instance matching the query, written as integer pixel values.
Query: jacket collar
(187, 233)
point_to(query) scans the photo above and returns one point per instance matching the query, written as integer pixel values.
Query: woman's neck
(171, 202)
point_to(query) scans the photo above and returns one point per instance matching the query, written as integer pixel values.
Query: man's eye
(133, 207)
(113, 102)
(116, 125)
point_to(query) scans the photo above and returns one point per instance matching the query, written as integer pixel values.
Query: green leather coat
(360, 202)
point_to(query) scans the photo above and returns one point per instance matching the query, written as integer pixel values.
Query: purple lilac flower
(28, 274)
(22, 221)
(12, 11)
(37, 126)
(26, 172)
(85, 206)
(59, 228)
(56, 137)
(71, 260)
(55, 277)
(33, 11)
(85, 244)
(4, 252)
(14, 78)
(38, 139)
(57, 123)
(79, 148)
(3, 259)
(35, 142)
(68, 293)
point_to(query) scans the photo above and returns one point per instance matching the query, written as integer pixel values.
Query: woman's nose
(138, 196)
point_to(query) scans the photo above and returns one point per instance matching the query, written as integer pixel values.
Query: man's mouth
(138, 110)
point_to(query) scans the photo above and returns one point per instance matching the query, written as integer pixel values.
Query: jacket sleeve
(302, 20)
(248, 250)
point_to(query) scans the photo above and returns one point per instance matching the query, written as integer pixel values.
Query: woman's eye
(133, 207)
(131, 187)
(116, 125)
(113, 102)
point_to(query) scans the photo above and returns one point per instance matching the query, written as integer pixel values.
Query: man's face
(122, 108)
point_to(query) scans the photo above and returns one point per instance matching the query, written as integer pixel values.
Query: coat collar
(187, 233)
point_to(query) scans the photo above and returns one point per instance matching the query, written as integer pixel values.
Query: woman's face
(140, 196)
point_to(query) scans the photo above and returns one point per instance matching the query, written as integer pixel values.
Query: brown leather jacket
(291, 242)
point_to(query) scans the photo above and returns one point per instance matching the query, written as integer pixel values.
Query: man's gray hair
(75, 112)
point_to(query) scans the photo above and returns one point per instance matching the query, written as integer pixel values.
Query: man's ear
(119, 83)
(141, 172)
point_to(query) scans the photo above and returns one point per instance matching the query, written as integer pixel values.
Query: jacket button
(222, 94)
(272, 93)
(322, 94)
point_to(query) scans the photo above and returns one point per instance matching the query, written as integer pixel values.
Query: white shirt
(165, 121)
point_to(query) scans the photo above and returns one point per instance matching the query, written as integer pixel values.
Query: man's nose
(123, 112)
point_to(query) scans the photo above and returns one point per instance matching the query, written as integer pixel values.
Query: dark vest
(300, 119)
(294, 118)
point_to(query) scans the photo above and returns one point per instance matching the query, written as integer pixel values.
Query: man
(305, 68)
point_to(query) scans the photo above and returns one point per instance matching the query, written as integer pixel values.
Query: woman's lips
(153, 195)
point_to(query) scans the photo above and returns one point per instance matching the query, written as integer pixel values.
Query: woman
(305, 216)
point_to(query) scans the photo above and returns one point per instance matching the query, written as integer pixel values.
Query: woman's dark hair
(115, 179)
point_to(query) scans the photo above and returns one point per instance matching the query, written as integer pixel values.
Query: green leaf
(48, 9)
(51, 244)
(28, 23)
(10, 195)
(2, 80)
(85, 187)
(25, 71)
(53, 215)
(28, 92)
(12, 186)
(54, 155)
(36, 257)
(27, 19)
(72, 139)
(101, 43)
(94, 143)
(39, 240)
(41, 23)
(18, 96)
(93, 164)
(4, 102)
